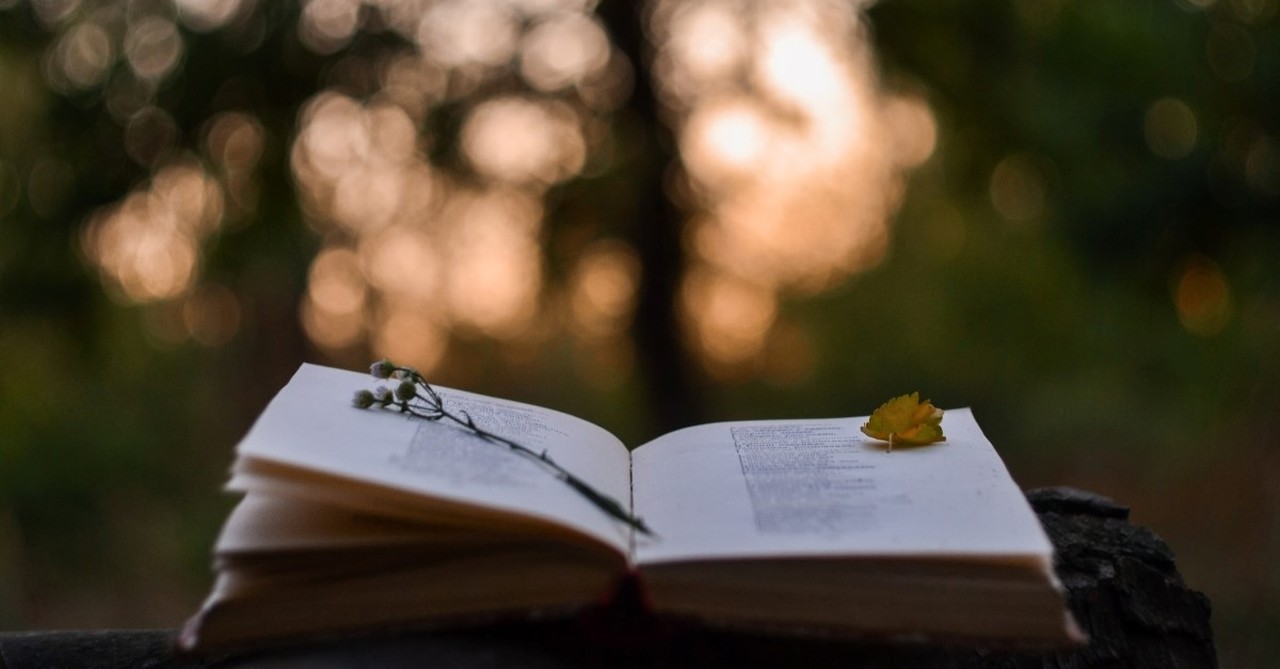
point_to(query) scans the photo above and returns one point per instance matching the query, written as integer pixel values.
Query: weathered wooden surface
(1122, 585)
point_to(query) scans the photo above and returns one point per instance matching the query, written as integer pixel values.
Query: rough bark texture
(1121, 581)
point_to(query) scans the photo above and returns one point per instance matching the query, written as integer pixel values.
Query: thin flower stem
(431, 407)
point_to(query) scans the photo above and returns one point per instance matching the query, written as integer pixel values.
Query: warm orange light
(393, 137)
(335, 283)
(603, 288)
(161, 265)
(327, 25)
(706, 44)
(414, 84)
(332, 312)
(412, 335)
(190, 196)
(795, 62)
(330, 330)
(517, 140)
(405, 263)
(563, 50)
(794, 150)
(731, 318)
(359, 166)
(464, 32)
(1202, 297)
(211, 315)
(495, 267)
(234, 141)
(913, 128)
(797, 152)
(147, 245)
(727, 139)
(333, 136)
(367, 198)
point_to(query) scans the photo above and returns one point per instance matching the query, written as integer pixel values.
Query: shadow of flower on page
(414, 396)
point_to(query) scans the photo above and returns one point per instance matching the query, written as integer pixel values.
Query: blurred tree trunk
(672, 382)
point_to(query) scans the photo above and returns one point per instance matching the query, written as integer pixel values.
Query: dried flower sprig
(414, 396)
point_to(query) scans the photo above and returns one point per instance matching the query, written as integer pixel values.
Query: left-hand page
(311, 427)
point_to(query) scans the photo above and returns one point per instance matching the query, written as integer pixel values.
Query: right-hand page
(821, 487)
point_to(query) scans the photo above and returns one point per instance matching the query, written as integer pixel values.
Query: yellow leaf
(906, 420)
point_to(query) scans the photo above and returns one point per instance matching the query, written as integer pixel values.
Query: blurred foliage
(1087, 259)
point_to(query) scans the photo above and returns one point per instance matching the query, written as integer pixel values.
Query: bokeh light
(153, 47)
(563, 50)
(494, 276)
(602, 290)
(327, 25)
(798, 154)
(84, 54)
(1202, 297)
(148, 246)
(234, 143)
(794, 153)
(446, 253)
(729, 317)
(469, 32)
(207, 15)
(1170, 128)
(517, 139)
(1018, 188)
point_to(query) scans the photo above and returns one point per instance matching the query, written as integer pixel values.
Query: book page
(822, 488)
(311, 424)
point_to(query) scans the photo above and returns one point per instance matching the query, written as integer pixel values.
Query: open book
(353, 519)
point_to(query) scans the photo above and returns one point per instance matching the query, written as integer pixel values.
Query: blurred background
(1063, 213)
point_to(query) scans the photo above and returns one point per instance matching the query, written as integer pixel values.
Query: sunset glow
(424, 254)
(793, 150)
(801, 161)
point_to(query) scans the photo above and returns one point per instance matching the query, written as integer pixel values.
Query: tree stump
(1121, 581)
